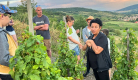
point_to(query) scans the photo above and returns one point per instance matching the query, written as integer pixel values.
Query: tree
(80, 22)
(137, 19)
(22, 14)
(23, 7)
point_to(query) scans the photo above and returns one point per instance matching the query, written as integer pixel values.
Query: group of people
(96, 43)
(97, 46)
(8, 39)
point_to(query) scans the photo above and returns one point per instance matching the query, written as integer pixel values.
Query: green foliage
(67, 62)
(137, 19)
(80, 22)
(70, 30)
(126, 68)
(85, 12)
(22, 14)
(117, 32)
(23, 7)
(31, 61)
(114, 54)
(120, 25)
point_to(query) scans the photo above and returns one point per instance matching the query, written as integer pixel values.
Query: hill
(133, 9)
(85, 12)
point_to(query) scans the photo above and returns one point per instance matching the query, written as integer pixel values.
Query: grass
(19, 27)
(121, 25)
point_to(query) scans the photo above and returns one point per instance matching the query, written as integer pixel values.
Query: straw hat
(90, 18)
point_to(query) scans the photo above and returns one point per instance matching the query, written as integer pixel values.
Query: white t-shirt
(108, 45)
(74, 35)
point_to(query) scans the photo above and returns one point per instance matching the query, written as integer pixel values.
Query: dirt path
(90, 76)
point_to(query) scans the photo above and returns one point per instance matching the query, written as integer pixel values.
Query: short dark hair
(105, 31)
(72, 18)
(98, 21)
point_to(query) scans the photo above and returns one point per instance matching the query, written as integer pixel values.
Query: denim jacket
(85, 33)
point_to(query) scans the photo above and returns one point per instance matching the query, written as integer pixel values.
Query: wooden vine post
(29, 9)
(128, 45)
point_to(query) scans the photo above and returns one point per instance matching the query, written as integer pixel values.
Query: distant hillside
(85, 12)
(77, 12)
(133, 9)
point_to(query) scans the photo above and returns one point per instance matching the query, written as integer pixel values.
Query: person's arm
(88, 44)
(37, 27)
(96, 49)
(77, 31)
(74, 41)
(4, 52)
(46, 24)
(101, 44)
(84, 35)
(44, 27)
(84, 47)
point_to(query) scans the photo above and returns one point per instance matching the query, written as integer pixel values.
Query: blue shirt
(9, 28)
(41, 21)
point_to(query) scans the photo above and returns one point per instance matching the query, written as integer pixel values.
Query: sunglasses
(8, 15)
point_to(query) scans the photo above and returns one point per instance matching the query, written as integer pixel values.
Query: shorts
(77, 51)
(47, 43)
(11, 32)
(5, 77)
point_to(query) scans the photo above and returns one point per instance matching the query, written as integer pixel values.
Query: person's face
(70, 23)
(39, 11)
(5, 19)
(95, 28)
(88, 22)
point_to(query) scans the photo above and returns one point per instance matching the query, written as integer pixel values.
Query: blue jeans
(77, 51)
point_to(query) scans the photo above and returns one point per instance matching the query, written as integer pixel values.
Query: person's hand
(77, 31)
(86, 36)
(12, 23)
(36, 27)
(88, 43)
(80, 45)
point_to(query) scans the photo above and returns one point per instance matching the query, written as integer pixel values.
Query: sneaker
(85, 74)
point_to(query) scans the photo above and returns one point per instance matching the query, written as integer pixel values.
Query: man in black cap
(7, 51)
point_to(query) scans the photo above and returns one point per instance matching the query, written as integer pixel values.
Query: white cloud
(10, 1)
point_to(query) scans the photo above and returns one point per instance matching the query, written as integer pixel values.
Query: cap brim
(12, 11)
(88, 19)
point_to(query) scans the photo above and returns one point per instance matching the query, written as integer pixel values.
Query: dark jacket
(103, 59)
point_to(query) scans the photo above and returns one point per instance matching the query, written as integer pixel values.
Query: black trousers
(104, 75)
(88, 65)
(5, 77)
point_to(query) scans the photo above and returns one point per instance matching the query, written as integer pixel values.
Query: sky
(102, 5)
